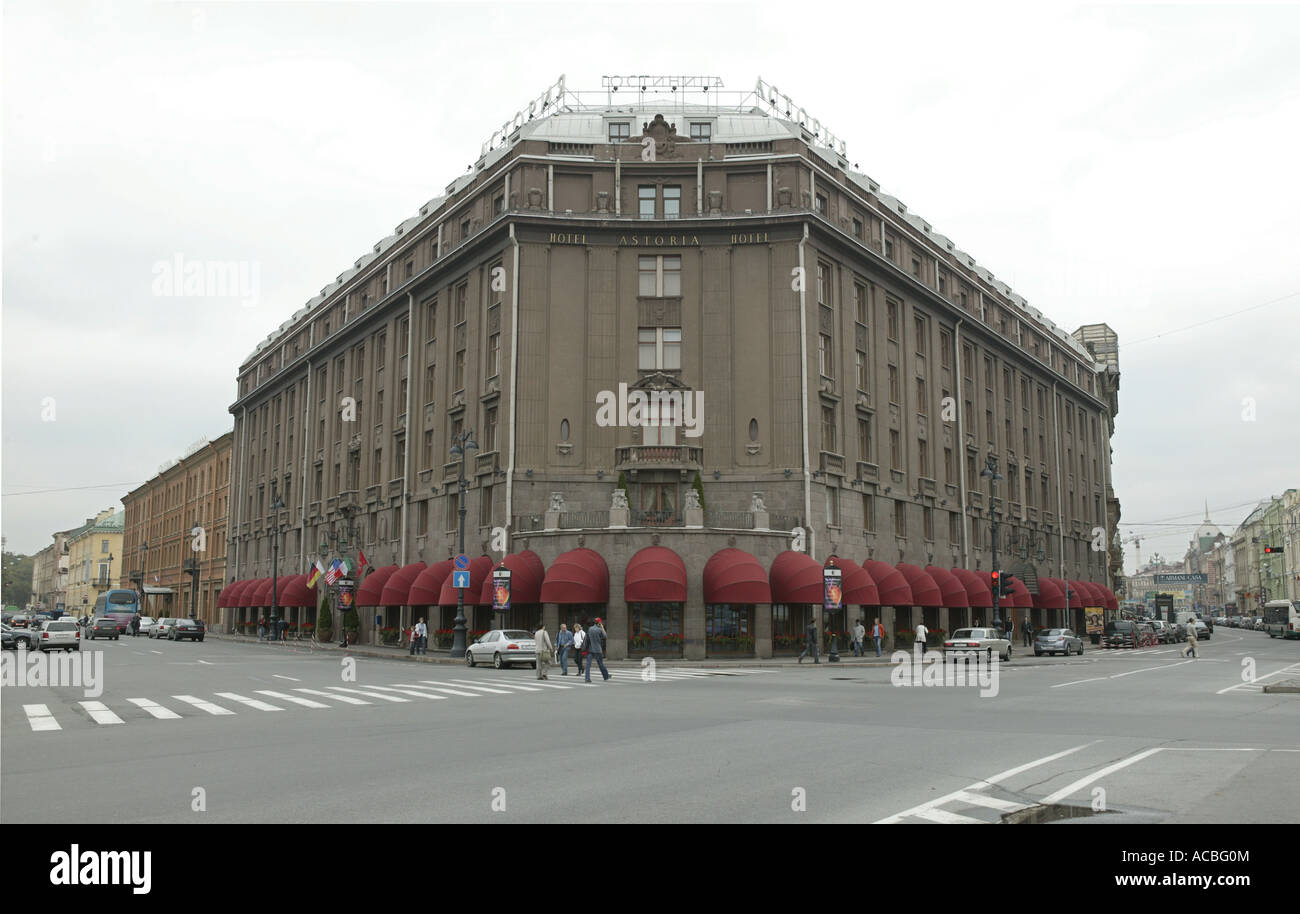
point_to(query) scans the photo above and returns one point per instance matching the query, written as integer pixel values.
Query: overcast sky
(1128, 164)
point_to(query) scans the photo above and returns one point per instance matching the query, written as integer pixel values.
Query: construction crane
(1136, 540)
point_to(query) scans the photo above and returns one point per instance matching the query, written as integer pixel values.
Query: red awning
(539, 568)
(237, 591)
(655, 574)
(1020, 594)
(893, 587)
(372, 587)
(1112, 601)
(398, 585)
(295, 592)
(925, 592)
(229, 592)
(260, 593)
(859, 587)
(480, 569)
(952, 590)
(1086, 593)
(734, 576)
(525, 582)
(1051, 594)
(577, 576)
(978, 586)
(428, 584)
(796, 577)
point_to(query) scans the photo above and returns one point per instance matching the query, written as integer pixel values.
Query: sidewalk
(435, 656)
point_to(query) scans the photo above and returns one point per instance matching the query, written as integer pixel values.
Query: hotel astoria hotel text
(698, 353)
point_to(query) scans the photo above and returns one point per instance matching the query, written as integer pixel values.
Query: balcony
(683, 457)
(639, 518)
(486, 463)
(584, 520)
(730, 520)
(831, 463)
(451, 471)
(373, 493)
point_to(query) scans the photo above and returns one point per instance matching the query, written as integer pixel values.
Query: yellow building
(94, 553)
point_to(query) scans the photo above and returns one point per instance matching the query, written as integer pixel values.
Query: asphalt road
(277, 733)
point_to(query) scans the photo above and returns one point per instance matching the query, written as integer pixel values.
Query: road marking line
(947, 818)
(370, 694)
(1078, 681)
(535, 684)
(251, 702)
(408, 692)
(1255, 681)
(203, 705)
(469, 685)
(305, 702)
(476, 688)
(979, 799)
(99, 712)
(980, 785)
(155, 709)
(410, 685)
(40, 718)
(1147, 669)
(1085, 781)
(155, 652)
(205, 662)
(346, 699)
(290, 678)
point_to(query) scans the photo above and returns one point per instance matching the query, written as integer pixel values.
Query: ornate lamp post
(276, 504)
(463, 443)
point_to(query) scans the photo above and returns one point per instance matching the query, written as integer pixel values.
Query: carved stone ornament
(715, 203)
(602, 201)
(756, 502)
(557, 501)
(692, 500)
(664, 133)
(783, 197)
(619, 501)
(534, 198)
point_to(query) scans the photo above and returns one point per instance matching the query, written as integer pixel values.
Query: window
(826, 355)
(564, 429)
(485, 507)
(900, 519)
(861, 365)
(828, 429)
(377, 467)
(889, 246)
(967, 359)
(498, 205)
(948, 466)
(988, 425)
(921, 398)
(494, 355)
(943, 283)
(753, 430)
(832, 507)
(916, 268)
(895, 449)
(659, 348)
(927, 518)
(659, 276)
(864, 438)
(701, 131)
(860, 303)
(458, 371)
(820, 204)
(1029, 486)
(945, 344)
(673, 202)
(923, 452)
(464, 229)
(422, 519)
(645, 195)
(453, 510)
(824, 290)
(857, 227)
(919, 324)
(660, 424)
(619, 132)
(462, 294)
(892, 306)
(868, 513)
(489, 442)
(893, 384)
(427, 457)
(430, 372)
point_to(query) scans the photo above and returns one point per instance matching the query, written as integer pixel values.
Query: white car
(976, 641)
(502, 648)
(160, 628)
(60, 635)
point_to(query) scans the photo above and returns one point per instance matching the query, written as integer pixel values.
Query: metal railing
(639, 518)
(660, 454)
(740, 520)
(577, 520)
(783, 522)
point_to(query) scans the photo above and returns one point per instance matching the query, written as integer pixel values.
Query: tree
(698, 487)
(324, 618)
(17, 579)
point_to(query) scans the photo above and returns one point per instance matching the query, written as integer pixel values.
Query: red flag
(361, 566)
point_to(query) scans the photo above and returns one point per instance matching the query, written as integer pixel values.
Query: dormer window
(619, 132)
(701, 132)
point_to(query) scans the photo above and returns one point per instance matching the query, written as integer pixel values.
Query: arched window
(564, 429)
(753, 429)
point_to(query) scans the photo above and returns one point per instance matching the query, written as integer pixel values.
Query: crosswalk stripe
(441, 689)
(305, 702)
(155, 709)
(99, 712)
(532, 684)
(979, 799)
(203, 705)
(369, 694)
(40, 718)
(346, 699)
(407, 692)
(477, 688)
(947, 818)
(504, 685)
(251, 702)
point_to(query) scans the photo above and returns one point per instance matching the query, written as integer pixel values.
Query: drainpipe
(305, 435)
(1060, 504)
(961, 445)
(406, 450)
(803, 390)
(514, 374)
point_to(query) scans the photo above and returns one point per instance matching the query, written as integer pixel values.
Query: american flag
(334, 572)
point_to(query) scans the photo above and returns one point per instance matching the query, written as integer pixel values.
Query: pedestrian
(284, 629)
(1027, 633)
(545, 650)
(878, 633)
(579, 643)
(135, 625)
(859, 636)
(563, 644)
(422, 637)
(1190, 648)
(921, 634)
(596, 649)
(408, 634)
(261, 628)
(810, 646)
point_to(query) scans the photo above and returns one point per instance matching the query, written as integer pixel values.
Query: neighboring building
(50, 573)
(1291, 543)
(857, 405)
(1261, 576)
(1200, 559)
(1102, 344)
(177, 518)
(93, 551)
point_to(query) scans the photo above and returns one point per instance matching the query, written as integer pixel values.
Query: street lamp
(144, 571)
(464, 442)
(276, 505)
(990, 472)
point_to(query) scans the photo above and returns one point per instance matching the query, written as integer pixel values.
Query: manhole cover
(1040, 815)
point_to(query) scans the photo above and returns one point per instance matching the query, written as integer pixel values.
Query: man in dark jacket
(596, 647)
(811, 647)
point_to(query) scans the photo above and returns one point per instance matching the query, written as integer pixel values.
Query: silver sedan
(1057, 641)
(502, 648)
(976, 641)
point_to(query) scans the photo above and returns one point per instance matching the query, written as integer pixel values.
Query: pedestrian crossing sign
(460, 580)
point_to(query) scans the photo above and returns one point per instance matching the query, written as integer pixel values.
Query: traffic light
(1271, 550)
(1002, 583)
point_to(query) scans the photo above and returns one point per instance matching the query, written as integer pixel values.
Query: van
(1282, 619)
(1183, 615)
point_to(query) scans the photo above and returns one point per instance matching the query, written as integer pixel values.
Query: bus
(1282, 619)
(121, 605)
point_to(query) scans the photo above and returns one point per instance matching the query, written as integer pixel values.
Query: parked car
(504, 647)
(1259, 624)
(1126, 633)
(1203, 631)
(1164, 631)
(1180, 631)
(21, 620)
(103, 627)
(976, 641)
(194, 629)
(19, 637)
(161, 627)
(1057, 641)
(60, 635)
(146, 625)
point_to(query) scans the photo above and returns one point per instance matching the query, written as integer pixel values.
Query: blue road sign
(460, 579)
(462, 562)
